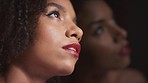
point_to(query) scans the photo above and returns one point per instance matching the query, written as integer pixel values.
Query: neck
(17, 75)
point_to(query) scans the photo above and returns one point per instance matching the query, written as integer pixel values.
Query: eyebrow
(56, 5)
(95, 22)
(59, 7)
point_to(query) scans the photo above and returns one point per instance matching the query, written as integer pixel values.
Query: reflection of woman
(104, 44)
(38, 40)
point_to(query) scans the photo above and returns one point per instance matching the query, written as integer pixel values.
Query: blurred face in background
(104, 43)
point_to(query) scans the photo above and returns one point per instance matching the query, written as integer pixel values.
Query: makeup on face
(73, 48)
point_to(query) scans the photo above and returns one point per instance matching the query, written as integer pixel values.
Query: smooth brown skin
(124, 76)
(102, 41)
(46, 57)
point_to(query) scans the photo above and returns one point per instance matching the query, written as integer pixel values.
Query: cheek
(50, 31)
(101, 46)
(45, 43)
(45, 54)
(49, 35)
(101, 51)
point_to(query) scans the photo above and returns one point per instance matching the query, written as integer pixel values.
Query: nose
(74, 31)
(119, 33)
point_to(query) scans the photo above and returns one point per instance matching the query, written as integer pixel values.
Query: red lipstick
(73, 48)
(125, 51)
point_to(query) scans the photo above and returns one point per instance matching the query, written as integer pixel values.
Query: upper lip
(76, 47)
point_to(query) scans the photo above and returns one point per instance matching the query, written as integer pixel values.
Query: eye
(54, 14)
(99, 30)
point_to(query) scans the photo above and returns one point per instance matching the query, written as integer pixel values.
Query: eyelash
(54, 14)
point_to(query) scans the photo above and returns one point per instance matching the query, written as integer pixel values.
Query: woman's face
(55, 50)
(104, 42)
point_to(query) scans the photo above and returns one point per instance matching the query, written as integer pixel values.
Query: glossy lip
(125, 51)
(73, 48)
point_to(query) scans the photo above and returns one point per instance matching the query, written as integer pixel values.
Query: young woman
(104, 44)
(38, 40)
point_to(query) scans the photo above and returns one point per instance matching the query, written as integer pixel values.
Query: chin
(117, 66)
(126, 63)
(123, 64)
(66, 70)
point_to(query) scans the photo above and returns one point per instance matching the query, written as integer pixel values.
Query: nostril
(116, 37)
(79, 39)
(115, 40)
(74, 35)
(74, 32)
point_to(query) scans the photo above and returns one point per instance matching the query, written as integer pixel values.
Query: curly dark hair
(18, 20)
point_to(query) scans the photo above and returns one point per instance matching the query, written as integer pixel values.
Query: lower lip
(73, 53)
(75, 46)
(125, 51)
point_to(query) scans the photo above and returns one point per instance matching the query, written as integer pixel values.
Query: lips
(73, 48)
(125, 51)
